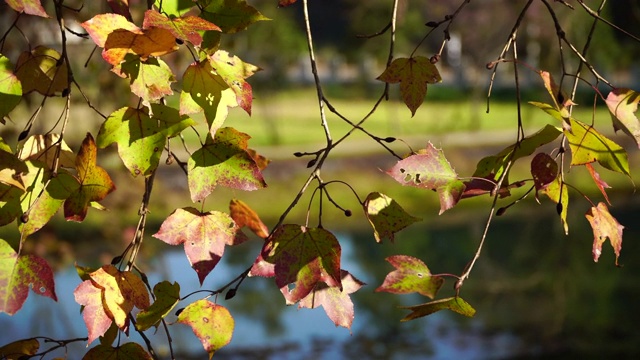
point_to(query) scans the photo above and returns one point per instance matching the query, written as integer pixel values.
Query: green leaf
(10, 87)
(42, 203)
(128, 351)
(212, 324)
(18, 274)
(150, 80)
(95, 183)
(623, 104)
(413, 74)
(492, 167)
(558, 192)
(304, 257)
(10, 197)
(186, 29)
(386, 216)
(167, 297)
(604, 226)
(204, 89)
(234, 71)
(204, 236)
(455, 304)
(174, 7)
(411, 275)
(230, 15)
(141, 137)
(429, 169)
(223, 161)
(13, 170)
(18, 349)
(588, 145)
(336, 302)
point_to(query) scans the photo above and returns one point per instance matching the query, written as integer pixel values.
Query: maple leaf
(386, 216)
(120, 292)
(211, 323)
(100, 26)
(544, 170)
(143, 43)
(95, 183)
(150, 80)
(94, 314)
(243, 215)
(42, 70)
(46, 149)
(601, 184)
(588, 145)
(20, 349)
(31, 7)
(167, 296)
(604, 226)
(561, 101)
(45, 201)
(304, 257)
(623, 104)
(411, 275)
(181, 28)
(12, 171)
(174, 8)
(10, 197)
(429, 169)
(557, 191)
(18, 274)
(234, 71)
(10, 87)
(204, 89)
(141, 135)
(204, 236)
(120, 7)
(413, 74)
(336, 302)
(223, 161)
(456, 304)
(230, 15)
(128, 351)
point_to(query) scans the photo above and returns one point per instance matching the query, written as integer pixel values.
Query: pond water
(537, 294)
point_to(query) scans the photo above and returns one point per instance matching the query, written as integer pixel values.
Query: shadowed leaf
(304, 257)
(100, 26)
(386, 216)
(46, 149)
(181, 28)
(143, 43)
(544, 170)
(39, 70)
(128, 351)
(95, 183)
(413, 74)
(455, 304)
(230, 15)
(623, 104)
(167, 296)
(10, 87)
(20, 349)
(150, 80)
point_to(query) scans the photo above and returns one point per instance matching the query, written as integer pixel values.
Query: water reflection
(537, 294)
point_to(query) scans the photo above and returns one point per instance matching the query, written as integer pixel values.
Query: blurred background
(537, 292)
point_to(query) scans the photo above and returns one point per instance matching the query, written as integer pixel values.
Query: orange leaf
(152, 42)
(243, 215)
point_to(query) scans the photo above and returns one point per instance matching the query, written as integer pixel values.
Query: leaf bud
(347, 213)
(559, 208)
(179, 311)
(448, 17)
(501, 211)
(169, 160)
(389, 139)
(230, 294)
(23, 135)
(490, 65)
(298, 154)
(66, 92)
(311, 163)
(179, 41)
(116, 260)
(434, 59)
(431, 24)
(24, 218)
